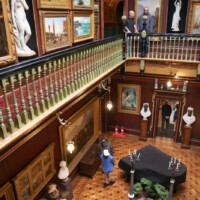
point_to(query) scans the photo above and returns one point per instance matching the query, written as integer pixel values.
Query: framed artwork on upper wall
(129, 96)
(55, 30)
(6, 192)
(58, 4)
(177, 13)
(7, 42)
(83, 4)
(194, 25)
(154, 9)
(83, 26)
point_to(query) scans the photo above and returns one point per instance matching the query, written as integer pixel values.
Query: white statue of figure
(64, 171)
(188, 117)
(22, 30)
(145, 112)
(176, 16)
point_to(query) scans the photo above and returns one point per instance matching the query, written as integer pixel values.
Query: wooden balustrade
(31, 91)
(172, 47)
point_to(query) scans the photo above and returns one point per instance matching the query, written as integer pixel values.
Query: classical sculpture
(188, 117)
(145, 112)
(176, 16)
(22, 30)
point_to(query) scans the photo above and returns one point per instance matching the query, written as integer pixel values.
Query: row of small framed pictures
(65, 4)
(62, 28)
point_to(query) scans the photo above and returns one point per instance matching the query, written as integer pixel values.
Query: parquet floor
(85, 188)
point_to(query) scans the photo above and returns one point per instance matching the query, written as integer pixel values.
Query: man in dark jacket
(105, 144)
(166, 112)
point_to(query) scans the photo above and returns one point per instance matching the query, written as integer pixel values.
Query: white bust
(64, 171)
(188, 117)
(145, 112)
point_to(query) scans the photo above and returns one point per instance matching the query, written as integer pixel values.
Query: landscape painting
(56, 30)
(59, 4)
(83, 4)
(196, 19)
(83, 26)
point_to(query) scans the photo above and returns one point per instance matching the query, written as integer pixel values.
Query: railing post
(143, 38)
(122, 70)
(198, 72)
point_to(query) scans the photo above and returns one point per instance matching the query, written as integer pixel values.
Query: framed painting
(154, 9)
(83, 26)
(129, 98)
(55, 30)
(6, 192)
(58, 4)
(7, 48)
(83, 4)
(177, 13)
(194, 27)
(83, 131)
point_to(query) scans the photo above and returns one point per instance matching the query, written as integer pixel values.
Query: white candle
(138, 156)
(174, 160)
(179, 161)
(171, 159)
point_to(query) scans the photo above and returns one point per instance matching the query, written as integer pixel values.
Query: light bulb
(169, 84)
(109, 105)
(70, 146)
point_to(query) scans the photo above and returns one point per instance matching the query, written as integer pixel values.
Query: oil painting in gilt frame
(6, 192)
(129, 98)
(83, 4)
(83, 26)
(154, 9)
(195, 18)
(55, 30)
(58, 4)
(7, 42)
(82, 131)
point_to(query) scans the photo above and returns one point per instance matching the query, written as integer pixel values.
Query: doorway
(166, 126)
(176, 100)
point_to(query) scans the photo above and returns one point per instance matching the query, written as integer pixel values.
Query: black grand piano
(153, 165)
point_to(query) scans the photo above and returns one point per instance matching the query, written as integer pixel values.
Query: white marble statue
(145, 112)
(22, 30)
(64, 171)
(176, 16)
(188, 117)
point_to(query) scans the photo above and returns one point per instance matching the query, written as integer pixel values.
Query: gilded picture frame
(6, 192)
(194, 25)
(56, 30)
(83, 4)
(83, 26)
(154, 9)
(7, 48)
(129, 96)
(55, 4)
(83, 130)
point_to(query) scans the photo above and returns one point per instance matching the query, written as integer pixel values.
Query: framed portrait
(194, 27)
(6, 192)
(154, 9)
(129, 98)
(83, 4)
(83, 26)
(177, 13)
(83, 131)
(56, 30)
(58, 4)
(7, 42)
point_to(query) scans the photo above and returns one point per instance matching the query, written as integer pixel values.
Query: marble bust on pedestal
(188, 117)
(145, 111)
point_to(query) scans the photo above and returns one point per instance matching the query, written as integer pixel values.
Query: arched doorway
(177, 102)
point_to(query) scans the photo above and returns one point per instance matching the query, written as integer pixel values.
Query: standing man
(107, 167)
(166, 112)
(130, 23)
(149, 29)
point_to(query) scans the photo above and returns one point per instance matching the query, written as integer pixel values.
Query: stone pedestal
(143, 130)
(186, 137)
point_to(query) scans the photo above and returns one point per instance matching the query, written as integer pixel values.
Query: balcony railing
(31, 90)
(174, 47)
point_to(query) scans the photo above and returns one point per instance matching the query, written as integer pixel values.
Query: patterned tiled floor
(85, 188)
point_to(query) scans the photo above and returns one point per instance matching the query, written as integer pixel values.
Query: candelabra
(174, 166)
(133, 158)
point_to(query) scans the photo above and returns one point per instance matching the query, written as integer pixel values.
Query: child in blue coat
(107, 167)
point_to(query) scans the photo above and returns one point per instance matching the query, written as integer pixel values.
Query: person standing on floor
(166, 112)
(107, 167)
(130, 23)
(105, 144)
